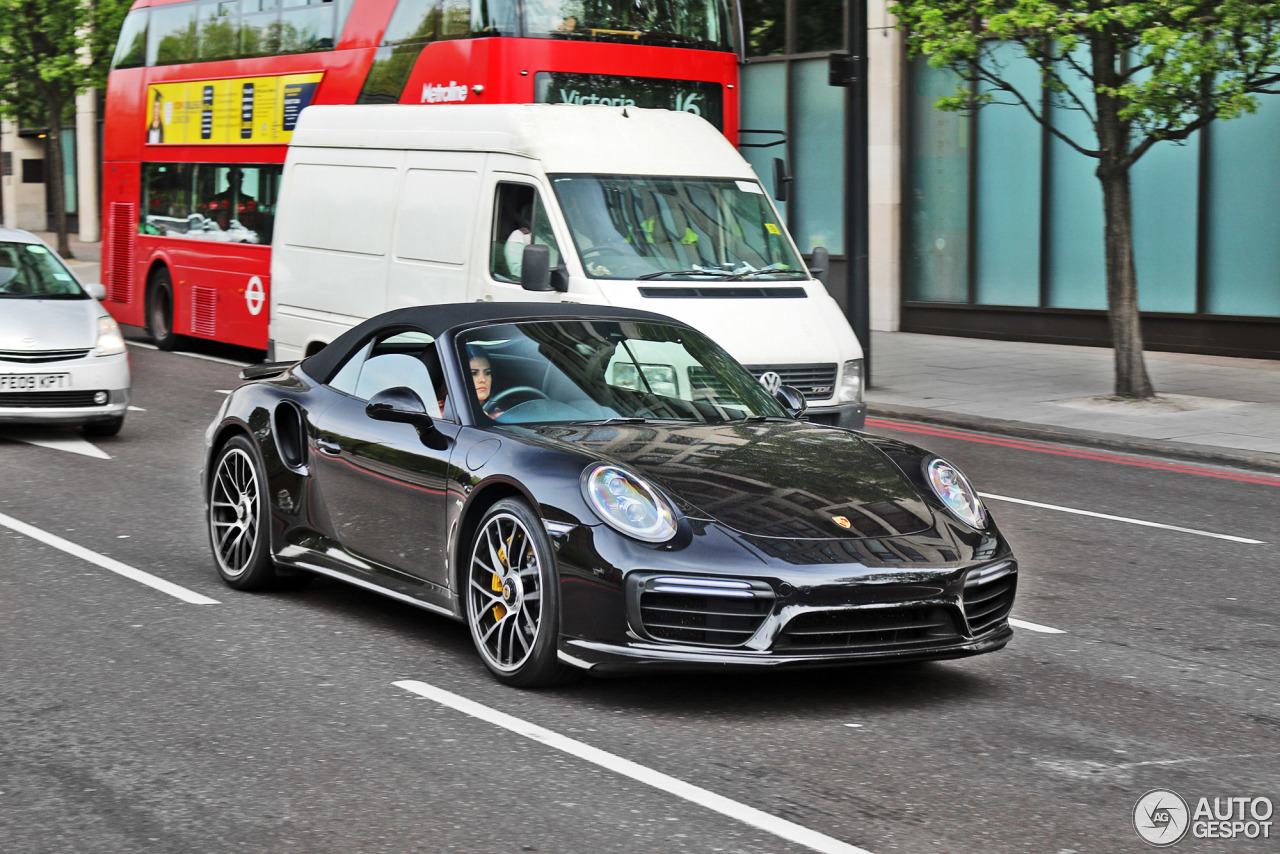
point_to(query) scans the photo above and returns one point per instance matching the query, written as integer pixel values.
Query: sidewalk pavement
(1210, 408)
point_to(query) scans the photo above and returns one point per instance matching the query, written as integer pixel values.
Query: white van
(389, 206)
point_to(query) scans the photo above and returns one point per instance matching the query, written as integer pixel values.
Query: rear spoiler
(263, 371)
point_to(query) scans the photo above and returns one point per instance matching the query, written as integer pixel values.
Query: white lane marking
(218, 359)
(106, 563)
(718, 803)
(70, 444)
(222, 390)
(1035, 627)
(1123, 519)
(136, 409)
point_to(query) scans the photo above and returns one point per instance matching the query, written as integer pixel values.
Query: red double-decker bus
(203, 96)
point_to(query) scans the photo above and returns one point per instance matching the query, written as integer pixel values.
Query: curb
(1254, 460)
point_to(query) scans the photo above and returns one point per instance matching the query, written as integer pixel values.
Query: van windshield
(692, 229)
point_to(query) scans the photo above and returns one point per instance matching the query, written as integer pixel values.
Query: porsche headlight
(110, 341)
(627, 503)
(955, 491)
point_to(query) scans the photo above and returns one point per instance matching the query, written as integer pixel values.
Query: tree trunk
(1122, 287)
(1122, 274)
(54, 175)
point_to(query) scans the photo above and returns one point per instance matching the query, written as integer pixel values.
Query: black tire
(103, 429)
(238, 518)
(513, 608)
(160, 310)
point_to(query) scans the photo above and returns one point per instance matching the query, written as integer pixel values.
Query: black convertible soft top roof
(436, 319)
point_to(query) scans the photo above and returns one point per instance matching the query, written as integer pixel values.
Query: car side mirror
(535, 268)
(791, 399)
(401, 405)
(820, 263)
(97, 291)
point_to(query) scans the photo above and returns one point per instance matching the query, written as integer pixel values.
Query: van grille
(815, 382)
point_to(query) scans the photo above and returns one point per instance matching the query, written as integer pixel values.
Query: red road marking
(1045, 448)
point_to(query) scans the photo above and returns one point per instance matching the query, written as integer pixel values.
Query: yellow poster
(228, 111)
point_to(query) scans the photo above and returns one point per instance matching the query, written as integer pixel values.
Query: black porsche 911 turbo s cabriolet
(598, 489)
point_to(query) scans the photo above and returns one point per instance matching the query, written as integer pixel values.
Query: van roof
(564, 137)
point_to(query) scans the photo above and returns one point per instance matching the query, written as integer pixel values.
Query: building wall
(1005, 227)
(24, 203)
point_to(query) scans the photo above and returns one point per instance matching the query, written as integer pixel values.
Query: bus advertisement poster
(253, 110)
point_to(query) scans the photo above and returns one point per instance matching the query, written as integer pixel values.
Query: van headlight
(110, 341)
(955, 491)
(851, 382)
(628, 504)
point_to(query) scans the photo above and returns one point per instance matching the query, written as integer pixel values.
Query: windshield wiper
(747, 274)
(759, 419)
(631, 420)
(720, 273)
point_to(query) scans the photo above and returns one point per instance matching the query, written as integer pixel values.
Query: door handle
(328, 446)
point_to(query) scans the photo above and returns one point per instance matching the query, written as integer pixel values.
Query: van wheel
(160, 310)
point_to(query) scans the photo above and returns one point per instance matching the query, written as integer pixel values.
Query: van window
(519, 218)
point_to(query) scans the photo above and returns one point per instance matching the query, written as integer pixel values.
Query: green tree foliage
(50, 51)
(1142, 72)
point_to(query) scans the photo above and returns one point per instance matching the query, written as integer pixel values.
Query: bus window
(221, 203)
(307, 25)
(131, 49)
(260, 28)
(172, 35)
(219, 23)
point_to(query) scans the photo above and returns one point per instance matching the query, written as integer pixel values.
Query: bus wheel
(160, 310)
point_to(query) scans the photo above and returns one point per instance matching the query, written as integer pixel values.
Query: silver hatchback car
(62, 357)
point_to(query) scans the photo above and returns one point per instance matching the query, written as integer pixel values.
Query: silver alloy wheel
(233, 511)
(504, 593)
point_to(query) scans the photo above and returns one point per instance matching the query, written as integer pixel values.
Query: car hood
(791, 480)
(48, 324)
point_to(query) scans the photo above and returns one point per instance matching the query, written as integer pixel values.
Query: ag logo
(1161, 817)
(254, 296)
(771, 381)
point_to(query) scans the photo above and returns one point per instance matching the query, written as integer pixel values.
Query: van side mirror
(792, 400)
(820, 263)
(535, 268)
(781, 180)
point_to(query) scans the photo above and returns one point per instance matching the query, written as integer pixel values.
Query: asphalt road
(134, 721)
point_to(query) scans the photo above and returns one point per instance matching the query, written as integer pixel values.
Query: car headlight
(851, 382)
(955, 491)
(627, 503)
(110, 341)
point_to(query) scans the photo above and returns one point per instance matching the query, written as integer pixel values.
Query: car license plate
(34, 382)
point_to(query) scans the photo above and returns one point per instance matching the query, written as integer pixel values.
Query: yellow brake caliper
(495, 583)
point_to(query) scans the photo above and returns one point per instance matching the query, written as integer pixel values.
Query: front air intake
(703, 611)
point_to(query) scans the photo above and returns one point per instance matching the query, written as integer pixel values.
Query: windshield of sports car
(675, 229)
(31, 271)
(593, 371)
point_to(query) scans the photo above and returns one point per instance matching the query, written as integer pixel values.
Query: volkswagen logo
(771, 381)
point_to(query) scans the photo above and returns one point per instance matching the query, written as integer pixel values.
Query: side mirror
(820, 263)
(401, 405)
(97, 291)
(781, 180)
(535, 269)
(791, 399)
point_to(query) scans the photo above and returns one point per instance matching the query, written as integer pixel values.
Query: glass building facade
(1003, 227)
